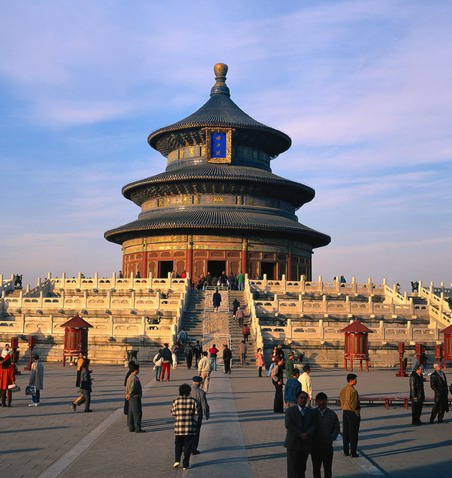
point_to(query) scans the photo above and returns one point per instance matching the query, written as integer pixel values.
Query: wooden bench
(387, 400)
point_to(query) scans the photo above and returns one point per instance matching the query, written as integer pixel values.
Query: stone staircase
(236, 331)
(193, 316)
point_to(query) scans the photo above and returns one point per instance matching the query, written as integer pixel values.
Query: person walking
(85, 388)
(246, 331)
(240, 281)
(134, 392)
(197, 351)
(291, 389)
(227, 357)
(79, 364)
(213, 351)
(242, 351)
(423, 361)
(7, 378)
(182, 337)
(239, 315)
(260, 361)
(216, 300)
(36, 380)
(174, 350)
(438, 382)
(277, 380)
(166, 364)
(188, 352)
(185, 410)
(300, 427)
(158, 360)
(235, 306)
(326, 431)
(417, 395)
(273, 360)
(351, 416)
(290, 366)
(130, 369)
(305, 380)
(204, 370)
(203, 410)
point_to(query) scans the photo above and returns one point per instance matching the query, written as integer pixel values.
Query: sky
(363, 88)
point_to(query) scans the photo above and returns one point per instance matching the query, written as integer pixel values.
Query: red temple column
(189, 266)
(289, 267)
(244, 264)
(144, 263)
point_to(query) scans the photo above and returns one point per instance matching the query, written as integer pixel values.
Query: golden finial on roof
(221, 70)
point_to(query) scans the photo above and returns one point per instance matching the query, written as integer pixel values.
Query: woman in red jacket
(6, 378)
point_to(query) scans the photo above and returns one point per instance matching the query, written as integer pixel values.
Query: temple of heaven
(218, 207)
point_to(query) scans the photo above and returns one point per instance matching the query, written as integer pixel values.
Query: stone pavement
(243, 438)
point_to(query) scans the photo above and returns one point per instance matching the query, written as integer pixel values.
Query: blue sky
(362, 87)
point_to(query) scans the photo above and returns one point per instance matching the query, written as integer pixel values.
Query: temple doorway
(216, 268)
(269, 269)
(165, 268)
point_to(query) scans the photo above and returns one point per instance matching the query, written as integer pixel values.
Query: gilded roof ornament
(220, 88)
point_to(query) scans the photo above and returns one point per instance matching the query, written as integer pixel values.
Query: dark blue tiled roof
(212, 219)
(220, 111)
(214, 179)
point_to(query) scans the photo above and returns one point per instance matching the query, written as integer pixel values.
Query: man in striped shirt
(185, 410)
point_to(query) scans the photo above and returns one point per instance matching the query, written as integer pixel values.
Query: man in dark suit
(438, 382)
(300, 425)
(417, 395)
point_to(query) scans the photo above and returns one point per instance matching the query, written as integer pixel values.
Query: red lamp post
(31, 346)
(401, 349)
(438, 353)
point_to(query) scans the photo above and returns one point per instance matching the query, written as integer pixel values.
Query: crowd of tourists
(224, 281)
(311, 426)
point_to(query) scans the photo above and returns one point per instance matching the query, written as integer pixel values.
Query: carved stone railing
(326, 307)
(438, 306)
(151, 284)
(302, 287)
(6, 285)
(118, 328)
(321, 331)
(255, 325)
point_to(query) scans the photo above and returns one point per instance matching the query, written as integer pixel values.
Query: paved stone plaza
(243, 438)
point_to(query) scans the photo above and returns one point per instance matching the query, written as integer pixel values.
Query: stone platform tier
(307, 316)
(143, 313)
(126, 313)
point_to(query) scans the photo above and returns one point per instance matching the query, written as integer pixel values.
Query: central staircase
(197, 310)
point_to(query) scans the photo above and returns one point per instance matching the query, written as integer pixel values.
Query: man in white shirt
(305, 380)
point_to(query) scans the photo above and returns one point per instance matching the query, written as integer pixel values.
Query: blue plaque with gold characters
(218, 145)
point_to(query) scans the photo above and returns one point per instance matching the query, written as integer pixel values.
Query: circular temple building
(218, 207)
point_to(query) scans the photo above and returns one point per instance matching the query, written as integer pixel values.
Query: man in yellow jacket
(351, 415)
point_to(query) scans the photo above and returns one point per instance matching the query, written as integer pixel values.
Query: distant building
(218, 207)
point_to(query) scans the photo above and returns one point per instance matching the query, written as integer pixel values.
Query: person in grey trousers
(85, 388)
(37, 380)
(134, 392)
(203, 410)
